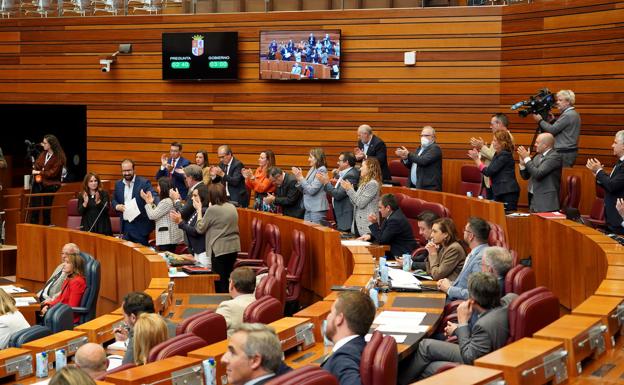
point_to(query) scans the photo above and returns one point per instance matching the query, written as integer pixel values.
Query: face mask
(424, 141)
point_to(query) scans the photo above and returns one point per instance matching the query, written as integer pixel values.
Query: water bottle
(42, 364)
(61, 359)
(469, 194)
(210, 371)
(384, 274)
(407, 262)
(374, 296)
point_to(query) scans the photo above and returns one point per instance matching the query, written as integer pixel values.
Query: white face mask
(424, 141)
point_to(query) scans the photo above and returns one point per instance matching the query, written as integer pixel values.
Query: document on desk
(179, 274)
(12, 289)
(354, 242)
(24, 301)
(400, 322)
(131, 210)
(118, 345)
(399, 338)
(400, 277)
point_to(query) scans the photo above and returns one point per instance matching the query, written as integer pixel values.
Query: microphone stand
(98, 216)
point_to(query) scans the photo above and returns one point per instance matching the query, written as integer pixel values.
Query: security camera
(105, 65)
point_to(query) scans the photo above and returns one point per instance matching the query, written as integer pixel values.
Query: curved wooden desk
(125, 266)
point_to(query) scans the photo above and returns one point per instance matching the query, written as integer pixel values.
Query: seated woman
(150, 329)
(502, 170)
(73, 287)
(314, 196)
(259, 180)
(220, 224)
(446, 254)
(11, 320)
(366, 197)
(195, 241)
(93, 203)
(168, 234)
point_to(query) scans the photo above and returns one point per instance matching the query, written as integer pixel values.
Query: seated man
(253, 356)
(134, 304)
(476, 235)
(52, 287)
(348, 322)
(395, 229)
(287, 196)
(498, 261)
(242, 286)
(92, 359)
(488, 333)
(425, 224)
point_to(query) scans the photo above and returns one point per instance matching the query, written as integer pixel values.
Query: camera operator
(566, 129)
(47, 172)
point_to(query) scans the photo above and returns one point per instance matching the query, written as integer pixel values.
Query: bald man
(543, 173)
(92, 359)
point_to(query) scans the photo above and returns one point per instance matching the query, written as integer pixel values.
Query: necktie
(617, 164)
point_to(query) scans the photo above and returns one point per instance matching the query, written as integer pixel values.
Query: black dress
(91, 212)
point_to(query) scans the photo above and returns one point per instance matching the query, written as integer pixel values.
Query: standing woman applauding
(47, 172)
(93, 206)
(168, 234)
(365, 199)
(259, 180)
(314, 196)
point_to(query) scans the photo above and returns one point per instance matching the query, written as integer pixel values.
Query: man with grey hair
(425, 163)
(92, 359)
(193, 177)
(498, 261)
(52, 287)
(566, 129)
(372, 145)
(612, 183)
(543, 173)
(229, 172)
(253, 356)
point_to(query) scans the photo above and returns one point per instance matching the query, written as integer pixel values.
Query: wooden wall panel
(471, 62)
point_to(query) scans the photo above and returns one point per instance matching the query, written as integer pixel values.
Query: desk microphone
(98, 216)
(305, 332)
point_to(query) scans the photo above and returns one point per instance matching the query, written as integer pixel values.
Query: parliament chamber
(471, 62)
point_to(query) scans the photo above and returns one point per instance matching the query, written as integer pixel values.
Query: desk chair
(176, 346)
(519, 279)
(29, 334)
(88, 303)
(532, 311)
(73, 216)
(296, 265)
(307, 375)
(264, 310)
(470, 180)
(208, 325)
(59, 317)
(572, 197)
(379, 361)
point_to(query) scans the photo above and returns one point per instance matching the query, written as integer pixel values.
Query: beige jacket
(447, 263)
(220, 223)
(233, 311)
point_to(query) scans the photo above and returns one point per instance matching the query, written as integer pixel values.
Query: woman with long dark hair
(259, 181)
(47, 172)
(93, 206)
(168, 234)
(446, 253)
(201, 159)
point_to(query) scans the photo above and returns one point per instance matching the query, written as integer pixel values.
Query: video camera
(32, 150)
(541, 104)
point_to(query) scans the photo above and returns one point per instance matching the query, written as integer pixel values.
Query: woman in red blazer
(73, 287)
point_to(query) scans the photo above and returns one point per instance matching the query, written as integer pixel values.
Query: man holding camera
(566, 129)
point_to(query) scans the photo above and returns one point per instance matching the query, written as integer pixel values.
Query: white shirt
(128, 187)
(258, 379)
(11, 323)
(227, 169)
(342, 342)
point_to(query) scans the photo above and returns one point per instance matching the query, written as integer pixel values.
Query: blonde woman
(11, 320)
(150, 329)
(71, 375)
(365, 199)
(314, 196)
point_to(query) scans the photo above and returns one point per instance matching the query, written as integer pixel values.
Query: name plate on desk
(22, 365)
(75, 344)
(187, 376)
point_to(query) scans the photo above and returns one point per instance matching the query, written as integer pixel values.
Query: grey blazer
(314, 197)
(52, 287)
(544, 173)
(364, 201)
(343, 208)
(220, 223)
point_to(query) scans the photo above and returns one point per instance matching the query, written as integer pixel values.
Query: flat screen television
(300, 55)
(200, 56)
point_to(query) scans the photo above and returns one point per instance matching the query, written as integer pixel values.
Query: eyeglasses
(425, 135)
(468, 231)
(220, 156)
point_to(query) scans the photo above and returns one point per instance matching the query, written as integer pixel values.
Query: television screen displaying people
(300, 55)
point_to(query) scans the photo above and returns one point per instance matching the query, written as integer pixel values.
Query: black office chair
(59, 317)
(88, 303)
(29, 334)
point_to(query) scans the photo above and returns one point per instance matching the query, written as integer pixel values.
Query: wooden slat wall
(471, 62)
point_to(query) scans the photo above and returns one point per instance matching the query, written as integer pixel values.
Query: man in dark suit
(287, 195)
(229, 173)
(348, 322)
(171, 167)
(487, 334)
(193, 177)
(371, 145)
(253, 356)
(343, 208)
(395, 230)
(126, 190)
(543, 173)
(612, 183)
(425, 163)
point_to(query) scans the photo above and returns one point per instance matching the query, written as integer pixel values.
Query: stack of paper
(24, 301)
(400, 322)
(354, 242)
(403, 279)
(11, 289)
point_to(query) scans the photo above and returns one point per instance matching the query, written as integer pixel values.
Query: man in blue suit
(171, 167)
(476, 234)
(348, 321)
(129, 188)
